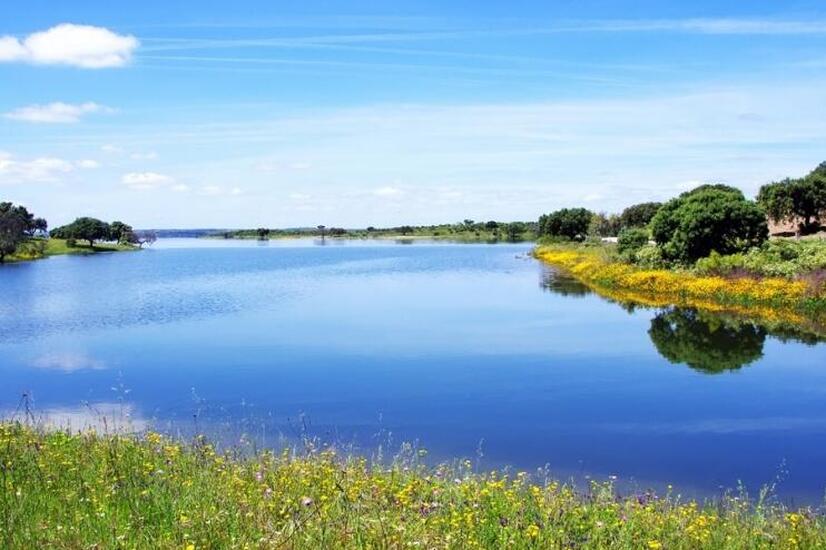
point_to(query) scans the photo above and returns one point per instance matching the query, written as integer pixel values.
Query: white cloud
(388, 191)
(57, 112)
(82, 46)
(42, 169)
(180, 188)
(87, 164)
(145, 180)
(235, 191)
(300, 196)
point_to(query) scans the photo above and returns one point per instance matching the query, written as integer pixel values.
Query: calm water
(460, 347)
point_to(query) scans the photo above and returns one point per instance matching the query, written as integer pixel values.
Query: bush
(649, 257)
(71, 243)
(779, 258)
(710, 217)
(632, 239)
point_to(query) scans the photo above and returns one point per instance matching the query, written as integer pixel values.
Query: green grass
(37, 249)
(62, 490)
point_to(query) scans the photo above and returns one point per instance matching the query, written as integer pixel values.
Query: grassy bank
(793, 298)
(37, 249)
(88, 491)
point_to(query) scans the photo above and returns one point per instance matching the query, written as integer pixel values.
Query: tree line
(716, 218)
(19, 227)
(92, 229)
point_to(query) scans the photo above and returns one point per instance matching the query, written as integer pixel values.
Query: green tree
(263, 233)
(12, 230)
(121, 232)
(571, 223)
(631, 239)
(515, 230)
(639, 215)
(604, 225)
(706, 341)
(710, 217)
(84, 229)
(802, 200)
(17, 226)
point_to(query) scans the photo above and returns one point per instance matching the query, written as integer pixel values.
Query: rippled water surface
(472, 350)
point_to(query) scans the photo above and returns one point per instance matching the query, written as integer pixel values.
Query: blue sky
(205, 114)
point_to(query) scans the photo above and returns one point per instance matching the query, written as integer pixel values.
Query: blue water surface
(471, 350)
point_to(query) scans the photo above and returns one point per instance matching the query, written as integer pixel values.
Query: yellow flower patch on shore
(771, 298)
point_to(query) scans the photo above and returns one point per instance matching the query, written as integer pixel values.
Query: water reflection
(706, 342)
(562, 283)
(709, 342)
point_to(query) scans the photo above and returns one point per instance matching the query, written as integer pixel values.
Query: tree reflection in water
(706, 342)
(562, 283)
(710, 342)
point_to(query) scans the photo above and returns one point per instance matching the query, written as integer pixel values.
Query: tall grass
(84, 490)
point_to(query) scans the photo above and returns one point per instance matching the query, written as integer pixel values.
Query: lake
(472, 351)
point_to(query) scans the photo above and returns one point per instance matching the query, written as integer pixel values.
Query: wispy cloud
(145, 180)
(57, 112)
(40, 169)
(711, 26)
(81, 46)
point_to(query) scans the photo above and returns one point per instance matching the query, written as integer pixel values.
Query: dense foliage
(639, 215)
(776, 258)
(631, 239)
(17, 226)
(85, 229)
(88, 491)
(802, 201)
(708, 218)
(569, 223)
(604, 225)
(93, 229)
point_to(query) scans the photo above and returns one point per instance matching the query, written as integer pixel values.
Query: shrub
(710, 217)
(649, 257)
(632, 239)
(779, 258)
